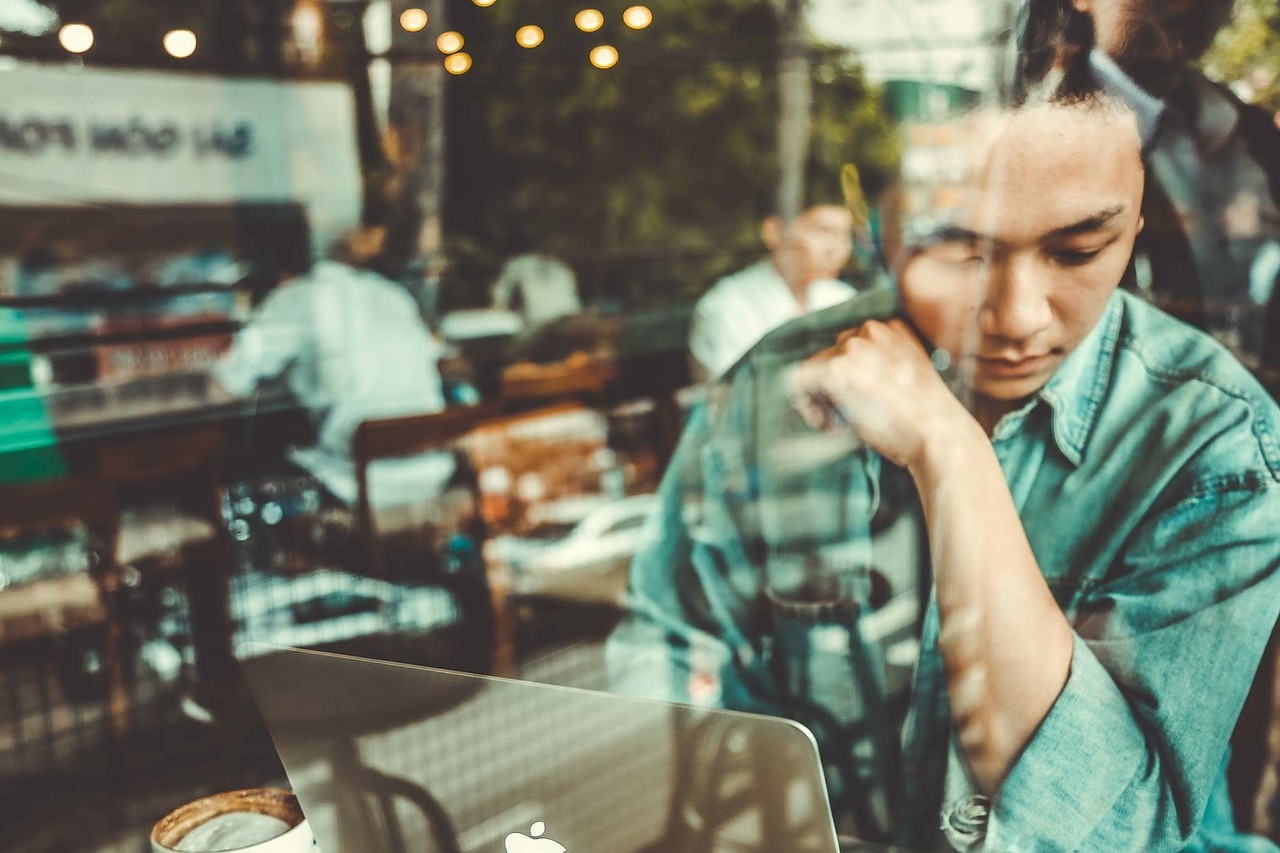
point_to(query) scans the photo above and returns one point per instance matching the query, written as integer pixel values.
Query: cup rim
(275, 802)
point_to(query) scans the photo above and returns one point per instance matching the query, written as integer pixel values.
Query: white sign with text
(75, 136)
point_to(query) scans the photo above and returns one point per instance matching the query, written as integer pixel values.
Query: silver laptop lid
(391, 757)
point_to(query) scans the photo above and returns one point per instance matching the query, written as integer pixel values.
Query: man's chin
(1009, 389)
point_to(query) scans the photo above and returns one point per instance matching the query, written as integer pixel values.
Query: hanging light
(458, 63)
(450, 42)
(529, 36)
(484, 3)
(414, 20)
(589, 20)
(179, 43)
(604, 56)
(637, 17)
(75, 38)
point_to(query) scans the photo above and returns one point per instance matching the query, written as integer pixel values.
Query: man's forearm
(1005, 643)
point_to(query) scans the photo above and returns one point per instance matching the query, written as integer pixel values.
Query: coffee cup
(257, 820)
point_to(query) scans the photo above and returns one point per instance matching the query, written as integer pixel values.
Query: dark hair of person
(1053, 35)
(821, 189)
(275, 241)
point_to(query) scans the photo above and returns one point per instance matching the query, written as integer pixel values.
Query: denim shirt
(1145, 474)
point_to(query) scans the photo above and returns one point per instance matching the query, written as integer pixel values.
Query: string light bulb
(76, 38)
(414, 20)
(589, 20)
(458, 63)
(604, 56)
(450, 42)
(179, 43)
(637, 17)
(529, 36)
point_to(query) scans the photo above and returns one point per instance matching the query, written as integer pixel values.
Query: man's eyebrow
(954, 234)
(1089, 224)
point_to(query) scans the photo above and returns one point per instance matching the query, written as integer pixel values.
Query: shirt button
(964, 823)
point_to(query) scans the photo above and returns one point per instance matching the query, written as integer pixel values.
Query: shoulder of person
(1169, 371)
(817, 330)
(734, 287)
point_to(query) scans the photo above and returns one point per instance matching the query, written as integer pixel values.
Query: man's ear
(772, 232)
(1142, 223)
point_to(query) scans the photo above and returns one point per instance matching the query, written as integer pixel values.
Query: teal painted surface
(28, 446)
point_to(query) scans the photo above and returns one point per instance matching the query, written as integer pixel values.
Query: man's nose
(1016, 304)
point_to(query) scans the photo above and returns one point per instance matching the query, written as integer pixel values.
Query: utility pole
(795, 98)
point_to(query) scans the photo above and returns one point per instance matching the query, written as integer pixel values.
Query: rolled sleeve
(1090, 726)
(1162, 660)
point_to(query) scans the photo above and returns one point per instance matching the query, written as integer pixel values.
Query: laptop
(392, 757)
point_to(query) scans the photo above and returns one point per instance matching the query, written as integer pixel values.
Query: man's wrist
(947, 444)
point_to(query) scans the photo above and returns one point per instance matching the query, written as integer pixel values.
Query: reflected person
(1099, 484)
(1213, 162)
(799, 276)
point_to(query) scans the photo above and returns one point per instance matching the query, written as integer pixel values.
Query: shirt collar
(1148, 108)
(1203, 108)
(1076, 391)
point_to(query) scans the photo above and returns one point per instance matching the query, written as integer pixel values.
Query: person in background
(538, 287)
(1098, 485)
(351, 346)
(798, 277)
(1213, 161)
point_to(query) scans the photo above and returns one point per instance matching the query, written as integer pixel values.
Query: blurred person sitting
(351, 347)
(1097, 482)
(1212, 202)
(799, 276)
(537, 287)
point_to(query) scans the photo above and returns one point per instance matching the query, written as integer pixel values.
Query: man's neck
(988, 412)
(799, 291)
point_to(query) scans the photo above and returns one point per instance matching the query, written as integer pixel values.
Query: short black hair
(275, 242)
(821, 188)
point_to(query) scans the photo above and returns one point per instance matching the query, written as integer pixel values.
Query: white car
(583, 560)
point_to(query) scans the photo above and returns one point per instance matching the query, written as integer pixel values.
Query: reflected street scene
(511, 426)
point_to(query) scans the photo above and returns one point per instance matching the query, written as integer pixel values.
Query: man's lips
(1012, 368)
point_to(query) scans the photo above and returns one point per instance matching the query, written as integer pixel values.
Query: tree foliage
(650, 177)
(1246, 54)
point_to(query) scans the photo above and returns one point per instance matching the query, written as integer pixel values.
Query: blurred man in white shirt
(352, 347)
(538, 287)
(798, 277)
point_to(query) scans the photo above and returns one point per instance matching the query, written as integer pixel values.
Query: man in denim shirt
(1099, 486)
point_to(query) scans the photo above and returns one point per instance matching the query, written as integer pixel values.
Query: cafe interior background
(160, 163)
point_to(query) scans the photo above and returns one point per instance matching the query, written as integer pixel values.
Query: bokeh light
(76, 38)
(414, 20)
(529, 36)
(589, 20)
(637, 17)
(604, 56)
(483, 3)
(458, 63)
(450, 42)
(179, 43)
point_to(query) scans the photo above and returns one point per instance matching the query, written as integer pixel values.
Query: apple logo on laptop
(518, 842)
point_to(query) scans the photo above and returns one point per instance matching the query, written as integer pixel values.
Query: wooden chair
(35, 616)
(537, 386)
(379, 530)
(398, 437)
